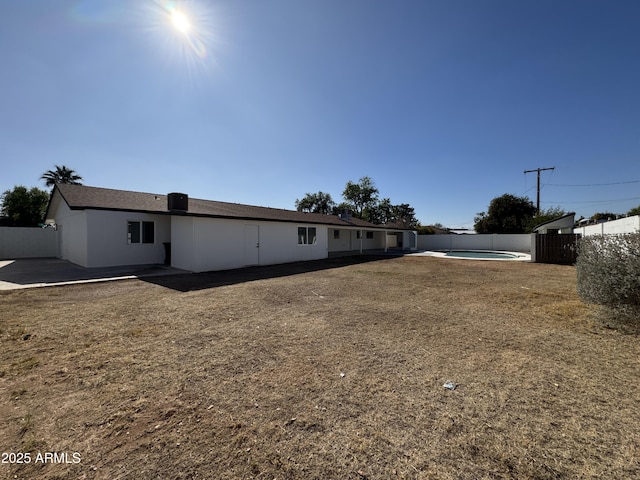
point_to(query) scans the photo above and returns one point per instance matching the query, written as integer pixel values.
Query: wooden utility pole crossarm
(539, 170)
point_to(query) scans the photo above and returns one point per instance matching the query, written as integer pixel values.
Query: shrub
(608, 271)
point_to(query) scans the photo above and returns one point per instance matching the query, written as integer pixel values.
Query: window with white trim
(369, 235)
(141, 232)
(307, 236)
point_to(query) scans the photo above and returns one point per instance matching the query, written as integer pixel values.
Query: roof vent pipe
(178, 202)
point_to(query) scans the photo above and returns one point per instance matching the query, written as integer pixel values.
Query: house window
(140, 232)
(336, 234)
(369, 235)
(307, 236)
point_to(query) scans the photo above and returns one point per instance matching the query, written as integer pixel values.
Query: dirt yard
(326, 370)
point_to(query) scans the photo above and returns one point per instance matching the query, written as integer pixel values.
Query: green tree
(380, 212)
(405, 216)
(360, 196)
(61, 174)
(385, 213)
(22, 207)
(634, 211)
(506, 214)
(361, 199)
(316, 203)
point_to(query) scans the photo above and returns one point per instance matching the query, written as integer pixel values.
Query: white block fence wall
(28, 242)
(515, 242)
(622, 225)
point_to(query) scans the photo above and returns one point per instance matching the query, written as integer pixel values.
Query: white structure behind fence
(25, 242)
(622, 225)
(515, 242)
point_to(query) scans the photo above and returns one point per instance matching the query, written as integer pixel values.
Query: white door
(251, 245)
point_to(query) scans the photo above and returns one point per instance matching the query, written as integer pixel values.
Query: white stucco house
(100, 227)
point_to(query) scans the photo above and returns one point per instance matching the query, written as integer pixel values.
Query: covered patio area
(349, 241)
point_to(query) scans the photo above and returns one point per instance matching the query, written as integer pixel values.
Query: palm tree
(61, 174)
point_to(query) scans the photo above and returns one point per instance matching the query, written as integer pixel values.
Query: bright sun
(184, 25)
(180, 21)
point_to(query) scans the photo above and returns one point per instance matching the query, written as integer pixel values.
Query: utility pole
(539, 170)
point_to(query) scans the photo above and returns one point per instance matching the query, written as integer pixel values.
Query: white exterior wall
(409, 240)
(72, 233)
(28, 242)
(107, 244)
(349, 240)
(341, 244)
(375, 243)
(501, 242)
(622, 225)
(208, 244)
(279, 243)
(182, 242)
(354, 241)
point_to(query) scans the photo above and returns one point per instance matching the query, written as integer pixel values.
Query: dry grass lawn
(327, 370)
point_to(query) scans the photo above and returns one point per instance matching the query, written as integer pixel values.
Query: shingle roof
(81, 197)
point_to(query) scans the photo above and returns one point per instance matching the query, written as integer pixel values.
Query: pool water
(477, 254)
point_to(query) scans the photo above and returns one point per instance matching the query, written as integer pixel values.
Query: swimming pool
(480, 255)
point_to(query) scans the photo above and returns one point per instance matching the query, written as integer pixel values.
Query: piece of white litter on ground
(449, 385)
(342, 374)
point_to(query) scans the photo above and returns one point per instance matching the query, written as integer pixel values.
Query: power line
(596, 201)
(590, 184)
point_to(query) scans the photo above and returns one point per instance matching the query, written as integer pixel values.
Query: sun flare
(184, 28)
(180, 21)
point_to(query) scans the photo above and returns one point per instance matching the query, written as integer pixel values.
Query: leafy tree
(24, 208)
(405, 215)
(362, 200)
(61, 174)
(316, 203)
(506, 214)
(634, 211)
(385, 212)
(380, 212)
(360, 196)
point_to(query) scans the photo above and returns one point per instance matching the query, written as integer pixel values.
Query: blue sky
(443, 104)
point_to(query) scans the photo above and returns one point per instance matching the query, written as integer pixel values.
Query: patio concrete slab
(43, 272)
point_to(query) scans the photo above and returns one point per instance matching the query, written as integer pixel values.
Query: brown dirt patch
(330, 369)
